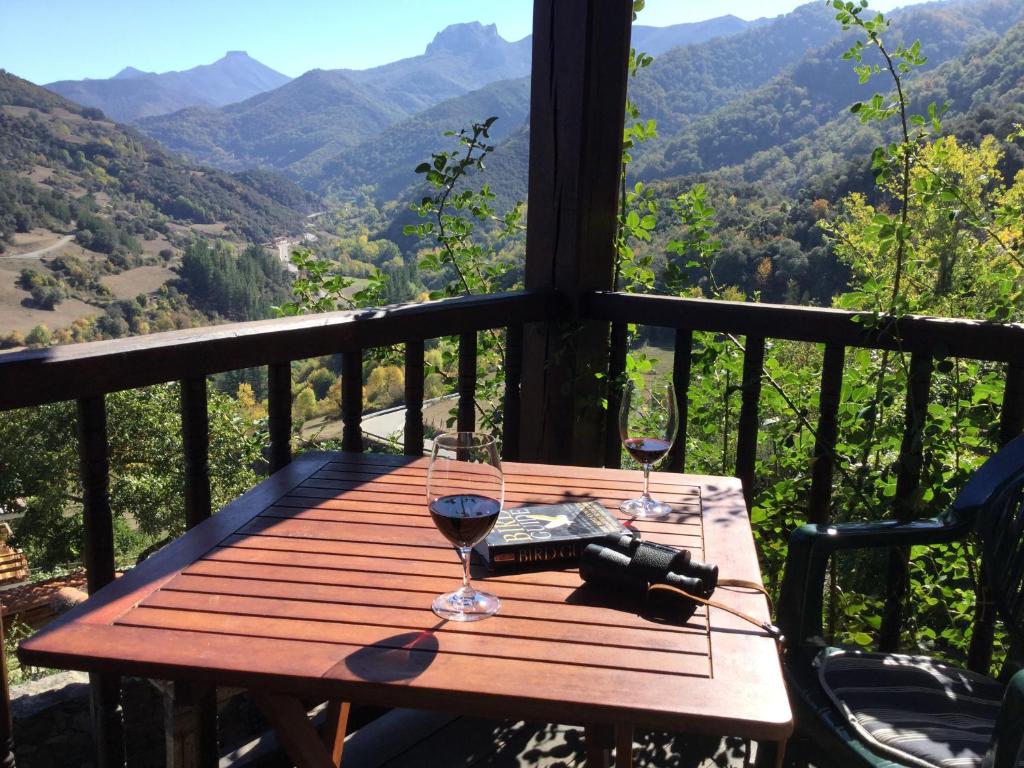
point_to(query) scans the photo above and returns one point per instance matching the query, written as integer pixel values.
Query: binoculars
(625, 563)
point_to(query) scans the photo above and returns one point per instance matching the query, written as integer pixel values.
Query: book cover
(546, 534)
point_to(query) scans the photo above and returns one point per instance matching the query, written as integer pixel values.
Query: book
(546, 534)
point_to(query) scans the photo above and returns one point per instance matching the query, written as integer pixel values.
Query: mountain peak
(236, 54)
(130, 72)
(460, 38)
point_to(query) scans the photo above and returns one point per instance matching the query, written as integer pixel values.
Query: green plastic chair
(893, 711)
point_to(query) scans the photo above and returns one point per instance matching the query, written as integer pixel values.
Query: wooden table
(318, 582)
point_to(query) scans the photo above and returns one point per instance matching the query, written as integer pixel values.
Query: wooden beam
(297, 735)
(37, 376)
(936, 336)
(334, 728)
(577, 99)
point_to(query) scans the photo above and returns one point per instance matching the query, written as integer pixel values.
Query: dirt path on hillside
(39, 253)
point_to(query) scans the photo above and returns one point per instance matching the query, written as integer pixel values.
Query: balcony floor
(416, 739)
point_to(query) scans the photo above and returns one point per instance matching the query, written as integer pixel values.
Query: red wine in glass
(464, 518)
(465, 490)
(646, 450)
(647, 426)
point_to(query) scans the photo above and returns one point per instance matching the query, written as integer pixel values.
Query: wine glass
(647, 425)
(465, 490)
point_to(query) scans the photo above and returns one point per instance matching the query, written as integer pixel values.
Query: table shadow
(399, 657)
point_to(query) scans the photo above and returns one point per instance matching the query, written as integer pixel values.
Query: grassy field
(15, 316)
(129, 284)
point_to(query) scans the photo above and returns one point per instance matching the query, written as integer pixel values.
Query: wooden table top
(318, 582)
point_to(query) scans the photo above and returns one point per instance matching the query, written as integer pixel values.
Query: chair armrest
(810, 546)
(1007, 741)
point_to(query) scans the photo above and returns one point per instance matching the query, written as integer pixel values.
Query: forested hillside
(85, 153)
(810, 94)
(94, 218)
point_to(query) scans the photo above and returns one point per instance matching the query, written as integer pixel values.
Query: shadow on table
(399, 657)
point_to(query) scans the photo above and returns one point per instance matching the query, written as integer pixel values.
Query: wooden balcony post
(98, 554)
(577, 99)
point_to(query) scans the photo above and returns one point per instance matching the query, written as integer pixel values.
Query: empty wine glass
(647, 425)
(465, 490)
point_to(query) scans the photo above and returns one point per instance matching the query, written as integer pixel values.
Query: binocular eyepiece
(623, 561)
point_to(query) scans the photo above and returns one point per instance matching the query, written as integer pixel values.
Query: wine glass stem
(464, 554)
(647, 480)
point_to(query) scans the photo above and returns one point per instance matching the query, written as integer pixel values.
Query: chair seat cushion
(912, 708)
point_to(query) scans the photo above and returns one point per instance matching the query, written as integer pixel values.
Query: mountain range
(743, 99)
(132, 94)
(309, 121)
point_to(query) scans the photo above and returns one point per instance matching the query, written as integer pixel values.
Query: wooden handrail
(39, 376)
(936, 336)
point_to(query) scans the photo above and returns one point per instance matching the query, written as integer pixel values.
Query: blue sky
(46, 40)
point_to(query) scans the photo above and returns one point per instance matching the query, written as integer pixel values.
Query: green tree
(146, 470)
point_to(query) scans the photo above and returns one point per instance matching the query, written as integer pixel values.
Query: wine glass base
(463, 605)
(645, 509)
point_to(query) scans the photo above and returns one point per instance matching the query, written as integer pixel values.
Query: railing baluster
(413, 398)
(279, 414)
(98, 555)
(513, 395)
(616, 367)
(198, 700)
(467, 382)
(1011, 424)
(681, 358)
(746, 440)
(195, 434)
(352, 400)
(823, 463)
(908, 480)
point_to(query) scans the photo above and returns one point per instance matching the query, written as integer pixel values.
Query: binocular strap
(767, 626)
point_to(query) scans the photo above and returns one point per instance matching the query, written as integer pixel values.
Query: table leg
(598, 741)
(624, 746)
(335, 722)
(291, 724)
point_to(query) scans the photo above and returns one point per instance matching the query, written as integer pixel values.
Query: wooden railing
(925, 339)
(88, 372)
